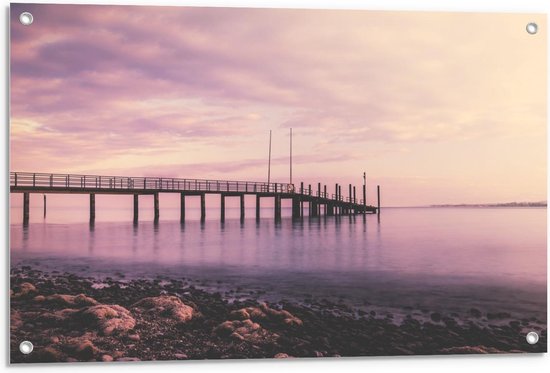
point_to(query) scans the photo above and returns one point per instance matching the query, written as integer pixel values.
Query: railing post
(16, 179)
(33, 180)
(51, 181)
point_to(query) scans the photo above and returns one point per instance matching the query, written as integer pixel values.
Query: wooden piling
(203, 206)
(277, 207)
(295, 207)
(156, 206)
(44, 205)
(26, 208)
(242, 206)
(222, 207)
(182, 207)
(136, 207)
(364, 198)
(378, 193)
(92, 207)
(257, 207)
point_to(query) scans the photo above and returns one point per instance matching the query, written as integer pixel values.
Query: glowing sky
(436, 107)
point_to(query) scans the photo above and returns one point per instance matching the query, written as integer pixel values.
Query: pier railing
(97, 182)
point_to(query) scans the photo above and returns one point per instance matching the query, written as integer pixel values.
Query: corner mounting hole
(26, 18)
(532, 338)
(532, 28)
(26, 347)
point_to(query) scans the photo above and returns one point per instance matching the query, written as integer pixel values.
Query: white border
(409, 364)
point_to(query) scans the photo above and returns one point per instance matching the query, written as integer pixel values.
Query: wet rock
(15, 320)
(264, 312)
(66, 300)
(181, 356)
(134, 337)
(436, 317)
(475, 312)
(166, 306)
(50, 354)
(25, 290)
(106, 358)
(281, 355)
(245, 330)
(109, 319)
(85, 350)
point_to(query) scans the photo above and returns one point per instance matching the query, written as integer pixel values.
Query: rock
(470, 350)
(134, 337)
(85, 350)
(39, 298)
(15, 320)
(108, 318)
(106, 358)
(66, 300)
(264, 312)
(181, 356)
(167, 306)
(50, 354)
(54, 339)
(26, 289)
(245, 330)
(281, 355)
(436, 317)
(475, 312)
(241, 314)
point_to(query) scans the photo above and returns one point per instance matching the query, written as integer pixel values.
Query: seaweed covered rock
(245, 330)
(24, 290)
(109, 319)
(167, 306)
(264, 312)
(66, 300)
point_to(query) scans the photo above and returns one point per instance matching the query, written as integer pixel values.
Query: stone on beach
(26, 289)
(109, 319)
(167, 306)
(66, 300)
(281, 355)
(245, 330)
(264, 312)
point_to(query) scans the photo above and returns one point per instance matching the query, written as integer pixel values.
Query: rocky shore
(70, 318)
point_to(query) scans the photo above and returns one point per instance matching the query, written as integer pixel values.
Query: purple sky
(436, 107)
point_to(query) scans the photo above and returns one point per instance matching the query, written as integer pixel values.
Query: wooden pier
(318, 199)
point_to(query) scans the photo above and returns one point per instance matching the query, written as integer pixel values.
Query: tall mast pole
(269, 162)
(291, 156)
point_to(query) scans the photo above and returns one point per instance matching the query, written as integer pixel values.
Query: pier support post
(203, 207)
(26, 203)
(295, 207)
(364, 199)
(182, 207)
(277, 207)
(156, 203)
(92, 207)
(313, 208)
(242, 206)
(257, 207)
(44, 206)
(222, 211)
(378, 193)
(136, 207)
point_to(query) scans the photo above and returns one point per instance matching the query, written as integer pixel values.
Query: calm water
(437, 258)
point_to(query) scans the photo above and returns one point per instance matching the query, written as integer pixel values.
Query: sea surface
(446, 259)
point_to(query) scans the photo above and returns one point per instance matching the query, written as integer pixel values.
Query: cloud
(132, 87)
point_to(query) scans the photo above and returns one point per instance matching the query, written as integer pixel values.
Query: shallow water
(450, 259)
